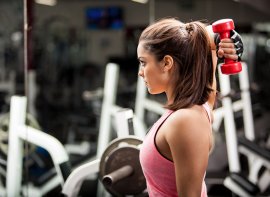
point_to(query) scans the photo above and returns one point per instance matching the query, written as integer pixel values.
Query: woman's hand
(226, 45)
(226, 49)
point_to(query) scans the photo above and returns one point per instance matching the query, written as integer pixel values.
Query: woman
(180, 59)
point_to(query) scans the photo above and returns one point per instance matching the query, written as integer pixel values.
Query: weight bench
(245, 186)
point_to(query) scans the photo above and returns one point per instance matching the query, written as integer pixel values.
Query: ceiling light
(46, 2)
(140, 1)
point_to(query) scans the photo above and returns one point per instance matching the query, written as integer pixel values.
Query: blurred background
(69, 44)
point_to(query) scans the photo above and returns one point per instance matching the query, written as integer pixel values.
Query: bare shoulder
(186, 126)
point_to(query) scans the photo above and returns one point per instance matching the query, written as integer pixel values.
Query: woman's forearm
(211, 36)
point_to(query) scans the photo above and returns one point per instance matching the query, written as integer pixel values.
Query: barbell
(120, 171)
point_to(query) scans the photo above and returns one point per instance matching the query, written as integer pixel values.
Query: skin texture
(189, 146)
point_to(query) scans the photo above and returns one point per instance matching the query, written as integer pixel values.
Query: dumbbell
(223, 27)
(120, 171)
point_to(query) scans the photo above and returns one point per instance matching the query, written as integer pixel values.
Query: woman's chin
(152, 91)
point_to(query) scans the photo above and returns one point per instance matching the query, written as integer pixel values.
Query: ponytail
(196, 72)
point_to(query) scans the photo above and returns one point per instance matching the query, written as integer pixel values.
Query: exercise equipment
(223, 27)
(226, 113)
(255, 183)
(110, 110)
(4, 127)
(257, 157)
(18, 133)
(112, 116)
(120, 170)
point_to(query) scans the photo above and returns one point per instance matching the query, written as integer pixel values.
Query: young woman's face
(151, 71)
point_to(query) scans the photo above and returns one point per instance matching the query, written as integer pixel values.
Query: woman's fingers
(226, 40)
(233, 57)
(226, 43)
(227, 49)
(220, 53)
(227, 53)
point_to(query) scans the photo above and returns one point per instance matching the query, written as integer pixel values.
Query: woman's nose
(140, 73)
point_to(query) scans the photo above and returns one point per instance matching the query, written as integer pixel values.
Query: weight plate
(121, 152)
(130, 140)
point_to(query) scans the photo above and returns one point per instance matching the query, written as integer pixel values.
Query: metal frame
(19, 132)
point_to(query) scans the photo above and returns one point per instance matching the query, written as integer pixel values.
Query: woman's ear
(168, 63)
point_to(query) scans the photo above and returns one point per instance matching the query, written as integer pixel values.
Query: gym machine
(18, 133)
(126, 144)
(109, 109)
(118, 169)
(118, 166)
(257, 156)
(120, 160)
(255, 183)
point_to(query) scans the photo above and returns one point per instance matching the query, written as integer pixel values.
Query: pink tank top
(159, 171)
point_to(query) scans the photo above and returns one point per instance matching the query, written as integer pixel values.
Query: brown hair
(189, 45)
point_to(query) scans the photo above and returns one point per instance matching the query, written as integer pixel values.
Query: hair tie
(189, 28)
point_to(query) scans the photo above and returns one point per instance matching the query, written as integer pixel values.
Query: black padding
(65, 169)
(245, 184)
(255, 148)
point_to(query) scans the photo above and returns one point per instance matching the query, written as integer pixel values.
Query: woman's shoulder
(189, 121)
(186, 115)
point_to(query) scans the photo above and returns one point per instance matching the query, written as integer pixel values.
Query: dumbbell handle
(223, 27)
(117, 175)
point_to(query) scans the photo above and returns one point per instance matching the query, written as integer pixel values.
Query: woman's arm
(226, 49)
(212, 97)
(211, 36)
(188, 137)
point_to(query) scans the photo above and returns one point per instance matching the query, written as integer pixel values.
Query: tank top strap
(208, 110)
(161, 120)
(165, 116)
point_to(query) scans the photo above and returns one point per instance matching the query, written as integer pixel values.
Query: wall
(102, 44)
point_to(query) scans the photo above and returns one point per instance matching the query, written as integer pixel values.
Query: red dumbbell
(223, 27)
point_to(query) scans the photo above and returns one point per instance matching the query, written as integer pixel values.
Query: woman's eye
(142, 63)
